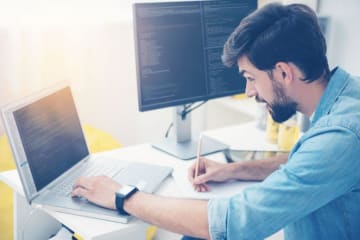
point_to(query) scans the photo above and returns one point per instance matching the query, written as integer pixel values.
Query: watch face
(125, 189)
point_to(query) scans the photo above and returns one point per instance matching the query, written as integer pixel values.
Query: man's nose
(250, 89)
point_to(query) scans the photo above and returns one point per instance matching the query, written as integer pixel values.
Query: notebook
(216, 189)
(51, 152)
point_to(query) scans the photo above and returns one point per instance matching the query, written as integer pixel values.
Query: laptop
(51, 152)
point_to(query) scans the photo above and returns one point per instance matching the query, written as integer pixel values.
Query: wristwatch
(125, 192)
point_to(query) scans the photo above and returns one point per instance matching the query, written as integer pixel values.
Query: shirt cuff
(217, 215)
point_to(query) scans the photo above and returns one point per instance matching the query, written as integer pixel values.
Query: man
(314, 193)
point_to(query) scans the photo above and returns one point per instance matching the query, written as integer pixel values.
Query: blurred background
(90, 44)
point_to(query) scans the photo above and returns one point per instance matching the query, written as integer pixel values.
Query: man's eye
(250, 79)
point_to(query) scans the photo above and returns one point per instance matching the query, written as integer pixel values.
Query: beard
(283, 107)
(281, 112)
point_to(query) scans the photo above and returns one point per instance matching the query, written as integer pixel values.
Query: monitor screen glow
(179, 47)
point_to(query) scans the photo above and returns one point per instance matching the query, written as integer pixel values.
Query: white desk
(243, 137)
(44, 224)
(87, 227)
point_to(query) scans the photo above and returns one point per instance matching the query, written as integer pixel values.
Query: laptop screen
(51, 136)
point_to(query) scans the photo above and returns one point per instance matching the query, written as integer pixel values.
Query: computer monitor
(178, 59)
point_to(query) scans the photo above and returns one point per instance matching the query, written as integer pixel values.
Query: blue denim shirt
(316, 194)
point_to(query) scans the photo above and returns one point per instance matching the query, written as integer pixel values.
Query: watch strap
(120, 200)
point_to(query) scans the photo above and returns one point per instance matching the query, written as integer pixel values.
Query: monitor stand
(182, 145)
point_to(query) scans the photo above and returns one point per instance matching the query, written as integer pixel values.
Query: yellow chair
(6, 195)
(98, 140)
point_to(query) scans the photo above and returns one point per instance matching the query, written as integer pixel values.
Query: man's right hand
(208, 171)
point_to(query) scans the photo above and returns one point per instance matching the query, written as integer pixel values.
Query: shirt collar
(333, 89)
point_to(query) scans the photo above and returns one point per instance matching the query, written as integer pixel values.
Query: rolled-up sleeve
(318, 171)
(217, 213)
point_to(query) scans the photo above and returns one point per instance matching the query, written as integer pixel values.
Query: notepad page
(226, 189)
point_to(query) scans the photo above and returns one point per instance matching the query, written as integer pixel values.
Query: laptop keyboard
(65, 188)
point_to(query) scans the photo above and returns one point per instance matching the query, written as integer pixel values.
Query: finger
(203, 188)
(84, 182)
(201, 179)
(192, 169)
(80, 192)
(191, 173)
(207, 188)
(202, 162)
(197, 188)
(200, 187)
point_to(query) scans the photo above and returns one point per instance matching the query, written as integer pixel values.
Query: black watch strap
(120, 199)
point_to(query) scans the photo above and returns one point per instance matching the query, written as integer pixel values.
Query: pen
(74, 236)
(198, 156)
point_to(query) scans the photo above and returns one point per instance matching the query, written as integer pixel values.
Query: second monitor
(178, 58)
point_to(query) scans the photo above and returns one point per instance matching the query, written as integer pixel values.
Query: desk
(89, 228)
(243, 137)
(44, 224)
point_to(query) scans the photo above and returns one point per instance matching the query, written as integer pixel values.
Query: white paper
(226, 189)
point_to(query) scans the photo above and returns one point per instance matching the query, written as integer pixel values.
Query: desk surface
(243, 137)
(91, 228)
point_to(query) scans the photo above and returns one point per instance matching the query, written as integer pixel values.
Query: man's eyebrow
(242, 72)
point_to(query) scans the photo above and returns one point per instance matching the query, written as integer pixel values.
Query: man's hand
(99, 190)
(208, 171)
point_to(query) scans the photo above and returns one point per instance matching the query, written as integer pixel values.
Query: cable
(168, 130)
(187, 109)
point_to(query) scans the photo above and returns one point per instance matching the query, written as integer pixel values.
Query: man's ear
(285, 72)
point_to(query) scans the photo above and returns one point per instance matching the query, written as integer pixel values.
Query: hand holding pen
(205, 170)
(198, 169)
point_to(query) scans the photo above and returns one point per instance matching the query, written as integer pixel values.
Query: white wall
(98, 59)
(344, 42)
(105, 85)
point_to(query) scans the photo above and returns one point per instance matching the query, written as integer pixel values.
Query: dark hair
(274, 33)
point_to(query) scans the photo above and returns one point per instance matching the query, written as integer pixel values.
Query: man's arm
(189, 217)
(245, 170)
(258, 169)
